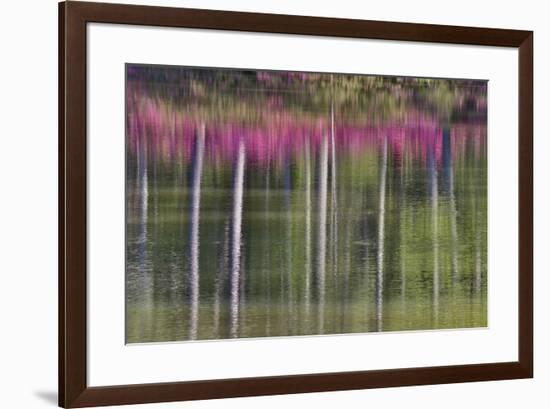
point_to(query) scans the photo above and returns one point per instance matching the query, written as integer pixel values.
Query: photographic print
(272, 203)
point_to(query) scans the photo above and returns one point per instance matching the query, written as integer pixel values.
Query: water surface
(265, 204)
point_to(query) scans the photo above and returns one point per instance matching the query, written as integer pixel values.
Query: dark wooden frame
(73, 388)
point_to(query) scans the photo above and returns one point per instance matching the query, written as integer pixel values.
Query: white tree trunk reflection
(334, 203)
(381, 236)
(452, 204)
(322, 237)
(145, 276)
(291, 316)
(403, 212)
(307, 241)
(194, 227)
(435, 234)
(267, 264)
(236, 239)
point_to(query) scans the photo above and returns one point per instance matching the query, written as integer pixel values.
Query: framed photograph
(254, 204)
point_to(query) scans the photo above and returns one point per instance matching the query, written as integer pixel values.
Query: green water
(298, 226)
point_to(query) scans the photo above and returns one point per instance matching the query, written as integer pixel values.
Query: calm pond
(264, 204)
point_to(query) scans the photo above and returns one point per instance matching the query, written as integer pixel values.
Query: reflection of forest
(260, 220)
(257, 96)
